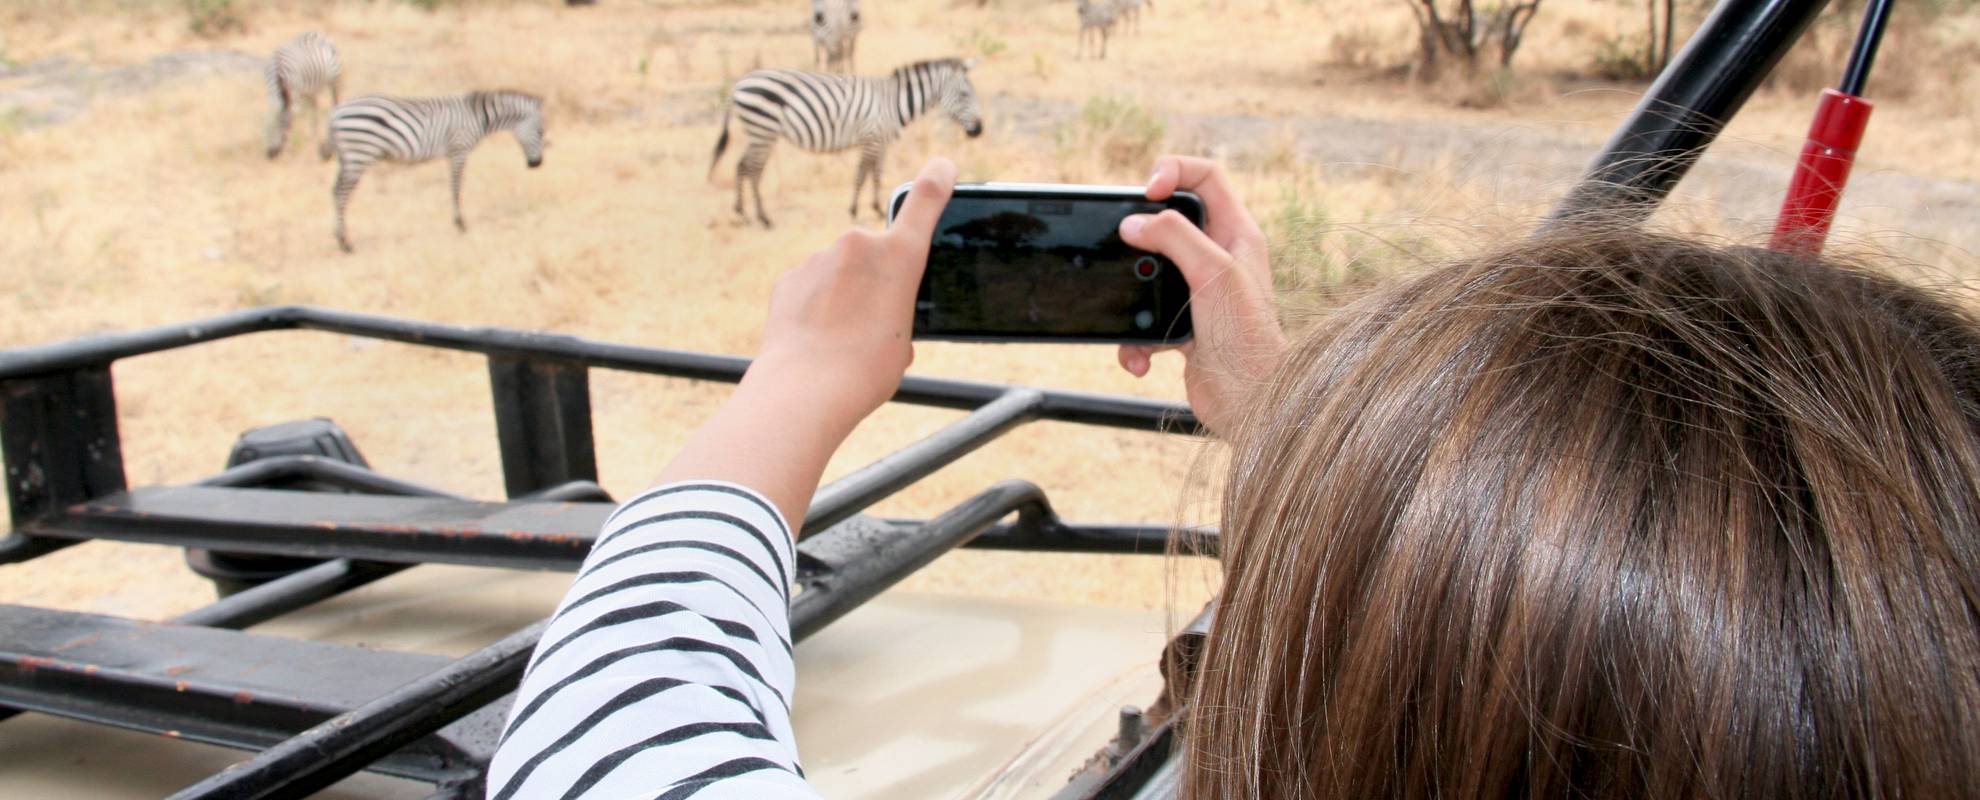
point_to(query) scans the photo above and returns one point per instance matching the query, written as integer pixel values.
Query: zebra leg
(348, 174)
(750, 170)
(278, 128)
(456, 163)
(756, 185)
(859, 183)
(879, 157)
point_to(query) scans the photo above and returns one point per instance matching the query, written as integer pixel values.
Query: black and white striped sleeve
(666, 672)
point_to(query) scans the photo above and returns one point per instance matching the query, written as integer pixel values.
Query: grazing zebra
(834, 32)
(1130, 13)
(374, 128)
(300, 70)
(830, 113)
(1096, 22)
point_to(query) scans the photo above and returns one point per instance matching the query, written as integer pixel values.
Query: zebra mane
(479, 96)
(933, 64)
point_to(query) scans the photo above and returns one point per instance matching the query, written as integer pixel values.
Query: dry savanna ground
(133, 192)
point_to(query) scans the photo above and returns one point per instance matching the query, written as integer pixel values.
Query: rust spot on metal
(91, 669)
(79, 642)
(172, 734)
(243, 697)
(28, 664)
(180, 686)
(180, 669)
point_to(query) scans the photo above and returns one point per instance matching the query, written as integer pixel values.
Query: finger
(1202, 261)
(925, 201)
(1226, 218)
(1134, 358)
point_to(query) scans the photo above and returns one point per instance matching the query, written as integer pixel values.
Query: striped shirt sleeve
(666, 671)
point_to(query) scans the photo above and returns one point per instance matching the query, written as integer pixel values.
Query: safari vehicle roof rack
(317, 711)
(416, 716)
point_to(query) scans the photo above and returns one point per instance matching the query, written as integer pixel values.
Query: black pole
(896, 471)
(1865, 51)
(349, 742)
(1685, 109)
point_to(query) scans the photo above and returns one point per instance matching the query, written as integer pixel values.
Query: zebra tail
(721, 142)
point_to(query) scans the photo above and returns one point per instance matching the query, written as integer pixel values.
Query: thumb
(1202, 261)
(925, 201)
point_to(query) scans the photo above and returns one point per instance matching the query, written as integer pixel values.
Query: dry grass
(156, 206)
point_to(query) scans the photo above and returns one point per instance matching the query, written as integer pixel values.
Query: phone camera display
(1026, 267)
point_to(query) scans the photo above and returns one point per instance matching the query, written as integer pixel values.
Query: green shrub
(211, 18)
(1621, 58)
(979, 43)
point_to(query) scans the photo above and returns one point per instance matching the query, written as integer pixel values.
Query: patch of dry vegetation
(157, 206)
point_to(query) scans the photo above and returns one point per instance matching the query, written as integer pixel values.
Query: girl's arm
(667, 670)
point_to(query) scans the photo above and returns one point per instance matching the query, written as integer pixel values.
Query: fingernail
(1133, 224)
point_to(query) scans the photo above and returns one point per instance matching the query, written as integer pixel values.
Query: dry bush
(1116, 132)
(1915, 60)
(1359, 46)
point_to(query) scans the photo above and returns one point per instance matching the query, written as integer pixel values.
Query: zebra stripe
(376, 128)
(828, 113)
(301, 69)
(834, 34)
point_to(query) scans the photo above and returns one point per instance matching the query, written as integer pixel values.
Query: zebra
(829, 113)
(300, 70)
(834, 33)
(1129, 12)
(376, 128)
(1096, 22)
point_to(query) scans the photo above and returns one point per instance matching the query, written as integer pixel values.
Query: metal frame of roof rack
(318, 712)
(415, 716)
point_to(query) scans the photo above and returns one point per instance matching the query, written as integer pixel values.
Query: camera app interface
(1047, 267)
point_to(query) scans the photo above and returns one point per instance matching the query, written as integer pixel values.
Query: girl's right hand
(1237, 341)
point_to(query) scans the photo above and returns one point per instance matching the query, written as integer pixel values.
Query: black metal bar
(858, 559)
(1864, 52)
(543, 423)
(287, 593)
(321, 582)
(1704, 86)
(876, 481)
(545, 536)
(1095, 409)
(571, 492)
(275, 469)
(1054, 536)
(59, 434)
(221, 687)
(103, 348)
(348, 743)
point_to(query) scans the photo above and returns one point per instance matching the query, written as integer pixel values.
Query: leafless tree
(1460, 31)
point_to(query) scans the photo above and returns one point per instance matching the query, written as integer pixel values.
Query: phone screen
(1008, 265)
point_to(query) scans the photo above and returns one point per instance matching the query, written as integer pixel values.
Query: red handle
(1820, 174)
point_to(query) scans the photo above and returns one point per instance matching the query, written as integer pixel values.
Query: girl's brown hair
(1606, 516)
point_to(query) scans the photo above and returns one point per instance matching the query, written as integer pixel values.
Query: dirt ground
(133, 192)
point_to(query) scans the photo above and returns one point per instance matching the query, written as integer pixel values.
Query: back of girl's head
(1606, 515)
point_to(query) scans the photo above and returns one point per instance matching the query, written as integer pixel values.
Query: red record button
(1145, 268)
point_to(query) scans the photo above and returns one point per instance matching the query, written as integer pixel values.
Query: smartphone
(1042, 262)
